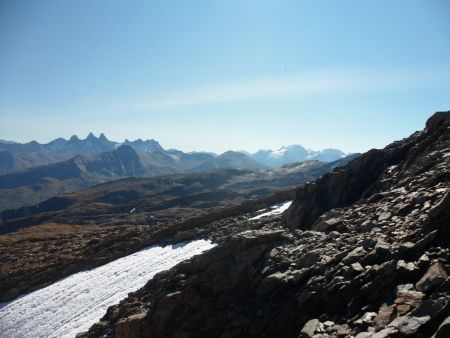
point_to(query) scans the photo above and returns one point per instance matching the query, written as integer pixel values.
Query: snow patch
(276, 210)
(73, 304)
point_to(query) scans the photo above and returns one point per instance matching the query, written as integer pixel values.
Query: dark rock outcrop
(362, 178)
(379, 268)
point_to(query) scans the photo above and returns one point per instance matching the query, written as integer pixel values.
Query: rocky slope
(70, 233)
(36, 184)
(362, 252)
(106, 203)
(20, 156)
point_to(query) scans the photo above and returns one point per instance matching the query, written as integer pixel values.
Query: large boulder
(435, 275)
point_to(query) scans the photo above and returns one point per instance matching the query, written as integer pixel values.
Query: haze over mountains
(368, 240)
(33, 172)
(18, 156)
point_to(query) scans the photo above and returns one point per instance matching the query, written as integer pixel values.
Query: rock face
(365, 254)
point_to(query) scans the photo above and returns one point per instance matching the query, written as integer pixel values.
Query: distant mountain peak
(74, 138)
(7, 142)
(91, 136)
(147, 145)
(103, 137)
(295, 153)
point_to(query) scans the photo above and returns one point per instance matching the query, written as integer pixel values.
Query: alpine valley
(356, 247)
(33, 172)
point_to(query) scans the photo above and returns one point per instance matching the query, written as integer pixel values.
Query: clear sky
(217, 75)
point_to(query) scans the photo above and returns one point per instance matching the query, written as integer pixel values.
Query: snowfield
(276, 210)
(74, 303)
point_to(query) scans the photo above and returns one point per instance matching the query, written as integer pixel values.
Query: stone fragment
(406, 246)
(430, 307)
(354, 255)
(130, 327)
(367, 226)
(408, 300)
(369, 243)
(382, 248)
(385, 333)
(407, 269)
(407, 325)
(384, 216)
(342, 330)
(435, 275)
(309, 329)
(308, 259)
(270, 283)
(327, 225)
(385, 316)
(356, 268)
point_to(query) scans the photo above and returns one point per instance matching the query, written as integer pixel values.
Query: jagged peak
(103, 137)
(90, 136)
(74, 138)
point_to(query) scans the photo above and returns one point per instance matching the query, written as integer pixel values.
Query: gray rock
(407, 325)
(356, 268)
(327, 225)
(367, 226)
(430, 307)
(435, 275)
(385, 333)
(309, 259)
(384, 216)
(309, 329)
(406, 246)
(354, 255)
(406, 268)
(342, 330)
(271, 282)
(334, 234)
(382, 247)
(369, 243)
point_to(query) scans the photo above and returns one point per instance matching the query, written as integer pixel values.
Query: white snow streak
(276, 210)
(74, 303)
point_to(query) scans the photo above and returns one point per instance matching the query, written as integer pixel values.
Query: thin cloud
(300, 85)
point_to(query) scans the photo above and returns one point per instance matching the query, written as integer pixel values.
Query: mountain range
(165, 195)
(19, 156)
(362, 251)
(296, 153)
(32, 172)
(32, 185)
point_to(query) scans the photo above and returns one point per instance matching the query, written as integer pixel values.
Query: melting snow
(74, 303)
(276, 210)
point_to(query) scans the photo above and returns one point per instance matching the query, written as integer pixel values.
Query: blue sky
(218, 75)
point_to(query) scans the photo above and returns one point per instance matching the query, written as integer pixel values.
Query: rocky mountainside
(165, 197)
(362, 252)
(36, 184)
(97, 225)
(296, 153)
(20, 156)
